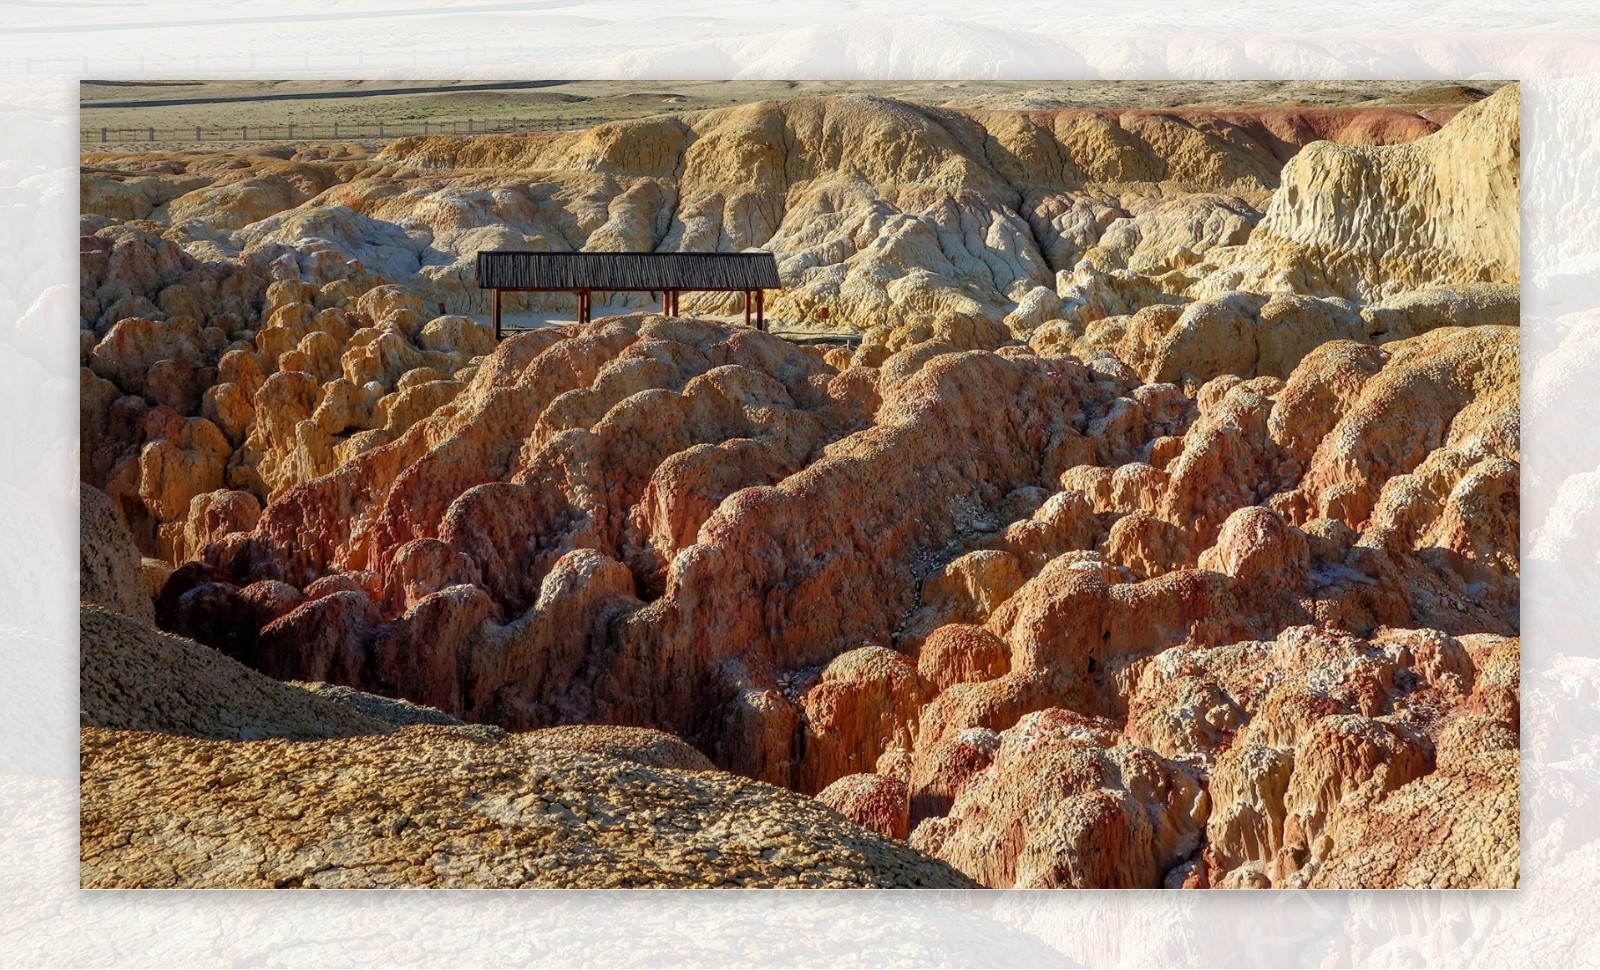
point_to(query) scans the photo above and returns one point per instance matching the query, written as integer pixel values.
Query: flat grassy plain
(219, 108)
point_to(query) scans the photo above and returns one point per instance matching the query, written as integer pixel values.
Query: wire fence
(332, 131)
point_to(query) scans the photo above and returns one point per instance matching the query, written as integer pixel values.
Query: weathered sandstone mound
(1059, 806)
(572, 806)
(110, 571)
(904, 221)
(1163, 529)
(256, 350)
(1443, 209)
(1325, 764)
(696, 528)
(393, 711)
(429, 806)
(816, 575)
(134, 678)
(656, 749)
(191, 423)
(877, 802)
(1457, 829)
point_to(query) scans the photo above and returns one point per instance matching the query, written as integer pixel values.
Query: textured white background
(46, 46)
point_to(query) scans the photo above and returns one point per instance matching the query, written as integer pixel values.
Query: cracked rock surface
(429, 806)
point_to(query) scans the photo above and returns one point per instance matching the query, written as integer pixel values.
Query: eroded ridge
(1162, 529)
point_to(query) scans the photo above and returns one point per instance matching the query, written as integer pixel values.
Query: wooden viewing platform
(518, 271)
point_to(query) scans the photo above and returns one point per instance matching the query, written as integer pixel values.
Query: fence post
(380, 129)
(291, 132)
(469, 126)
(424, 127)
(244, 133)
(102, 136)
(152, 135)
(196, 132)
(336, 129)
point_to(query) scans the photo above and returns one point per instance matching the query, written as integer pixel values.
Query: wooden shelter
(669, 274)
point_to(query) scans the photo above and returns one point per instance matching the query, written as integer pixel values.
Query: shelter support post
(494, 302)
(761, 300)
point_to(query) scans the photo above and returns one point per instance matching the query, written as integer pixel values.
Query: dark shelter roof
(512, 269)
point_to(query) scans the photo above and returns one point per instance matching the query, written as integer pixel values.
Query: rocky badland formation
(1160, 529)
